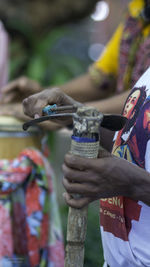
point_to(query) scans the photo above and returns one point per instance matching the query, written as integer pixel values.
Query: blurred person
(30, 228)
(120, 180)
(125, 58)
(123, 61)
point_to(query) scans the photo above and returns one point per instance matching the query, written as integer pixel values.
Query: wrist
(138, 183)
(141, 186)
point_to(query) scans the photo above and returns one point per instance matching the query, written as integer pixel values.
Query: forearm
(112, 104)
(105, 177)
(142, 187)
(137, 181)
(83, 89)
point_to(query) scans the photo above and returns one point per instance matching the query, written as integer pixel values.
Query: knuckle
(54, 92)
(66, 185)
(25, 102)
(70, 159)
(57, 90)
(23, 82)
(67, 172)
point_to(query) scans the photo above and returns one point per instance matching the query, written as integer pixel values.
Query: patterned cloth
(126, 56)
(30, 230)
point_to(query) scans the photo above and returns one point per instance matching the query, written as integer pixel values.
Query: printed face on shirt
(130, 104)
(146, 120)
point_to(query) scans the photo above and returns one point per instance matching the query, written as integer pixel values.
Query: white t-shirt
(125, 223)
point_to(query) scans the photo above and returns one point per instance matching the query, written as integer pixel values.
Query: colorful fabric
(122, 59)
(130, 42)
(30, 230)
(125, 222)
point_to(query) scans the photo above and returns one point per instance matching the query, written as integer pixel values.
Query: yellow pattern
(108, 61)
(135, 7)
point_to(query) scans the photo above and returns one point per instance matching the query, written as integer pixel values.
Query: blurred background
(53, 41)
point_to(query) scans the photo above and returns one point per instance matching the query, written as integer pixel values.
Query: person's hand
(19, 89)
(33, 105)
(16, 110)
(94, 178)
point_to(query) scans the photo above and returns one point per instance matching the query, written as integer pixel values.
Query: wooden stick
(80, 145)
(76, 234)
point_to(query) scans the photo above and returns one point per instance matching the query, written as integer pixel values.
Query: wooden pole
(76, 234)
(85, 143)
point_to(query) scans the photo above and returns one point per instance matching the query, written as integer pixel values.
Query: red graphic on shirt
(116, 215)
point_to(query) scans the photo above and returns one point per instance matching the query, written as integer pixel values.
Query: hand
(19, 89)
(94, 178)
(14, 110)
(33, 105)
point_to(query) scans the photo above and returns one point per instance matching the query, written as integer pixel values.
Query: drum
(13, 139)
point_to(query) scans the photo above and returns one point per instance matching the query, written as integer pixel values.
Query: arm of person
(34, 104)
(105, 177)
(19, 89)
(82, 89)
(93, 85)
(100, 80)
(113, 104)
(16, 110)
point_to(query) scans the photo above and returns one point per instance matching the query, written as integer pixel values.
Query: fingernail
(36, 116)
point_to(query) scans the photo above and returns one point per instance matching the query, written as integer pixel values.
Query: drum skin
(13, 139)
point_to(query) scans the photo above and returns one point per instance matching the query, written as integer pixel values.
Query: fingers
(14, 110)
(80, 163)
(9, 87)
(76, 203)
(80, 176)
(33, 105)
(76, 162)
(9, 93)
(36, 116)
(84, 189)
(12, 90)
(19, 89)
(29, 87)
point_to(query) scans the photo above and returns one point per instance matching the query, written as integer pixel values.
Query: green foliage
(93, 246)
(42, 58)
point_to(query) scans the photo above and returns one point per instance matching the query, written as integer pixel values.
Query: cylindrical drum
(13, 139)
